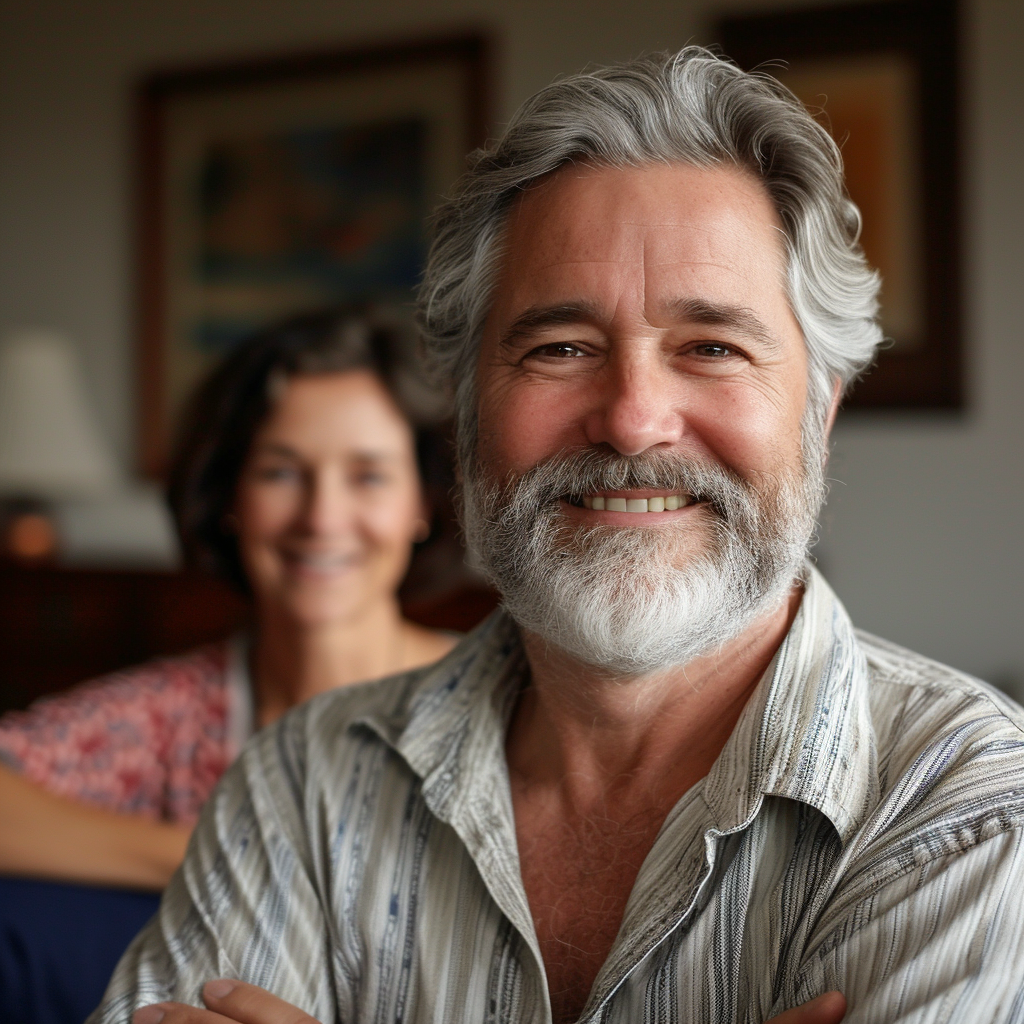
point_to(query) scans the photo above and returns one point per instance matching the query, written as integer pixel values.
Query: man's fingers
(248, 1004)
(177, 1013)
(829, 1008)
(229, 1002)
(236, 1002)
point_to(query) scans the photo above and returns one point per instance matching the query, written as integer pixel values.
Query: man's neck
(591, 730)
(595, 765)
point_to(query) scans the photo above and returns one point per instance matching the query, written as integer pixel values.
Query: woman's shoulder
(424, 646)
(185, 676)
(113, 740)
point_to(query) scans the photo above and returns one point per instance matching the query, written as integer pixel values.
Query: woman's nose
(636, 406)
(328, 507)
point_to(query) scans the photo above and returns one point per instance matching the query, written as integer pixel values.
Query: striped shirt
(861, 830)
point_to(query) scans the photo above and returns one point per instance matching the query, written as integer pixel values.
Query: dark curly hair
(231, 404)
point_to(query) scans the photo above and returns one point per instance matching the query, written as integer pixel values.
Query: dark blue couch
(59, 945)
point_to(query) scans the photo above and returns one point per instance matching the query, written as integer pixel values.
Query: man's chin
(635, 550)
(632, 599)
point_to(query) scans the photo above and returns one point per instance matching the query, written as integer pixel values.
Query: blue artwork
(307, 217)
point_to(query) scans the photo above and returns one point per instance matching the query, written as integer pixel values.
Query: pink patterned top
(150, 740)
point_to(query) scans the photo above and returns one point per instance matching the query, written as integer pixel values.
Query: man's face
(643, 308)
(640, 319)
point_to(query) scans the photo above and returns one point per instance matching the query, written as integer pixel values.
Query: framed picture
(882, 78)
(272, 186)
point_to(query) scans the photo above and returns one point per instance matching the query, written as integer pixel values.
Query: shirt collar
(449, 725)
(805, 734)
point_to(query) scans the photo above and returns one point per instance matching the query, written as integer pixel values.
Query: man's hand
(227, 1001)
(829, 1008)
(246, 1004)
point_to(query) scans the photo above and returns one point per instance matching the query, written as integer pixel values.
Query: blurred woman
(296, 479)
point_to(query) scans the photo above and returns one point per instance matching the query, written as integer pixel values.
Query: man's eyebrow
(718, 314)
(538, 317)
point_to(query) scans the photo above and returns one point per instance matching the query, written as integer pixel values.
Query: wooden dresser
(60, 626)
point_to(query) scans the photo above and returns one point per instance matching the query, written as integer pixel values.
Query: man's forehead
(649, 236)
(657, 214)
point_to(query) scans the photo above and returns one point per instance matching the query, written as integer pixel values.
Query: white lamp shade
(50, 443)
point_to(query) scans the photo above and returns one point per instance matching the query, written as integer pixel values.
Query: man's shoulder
(942, 831)
(903, 679)
(950, 750)
(390, 712)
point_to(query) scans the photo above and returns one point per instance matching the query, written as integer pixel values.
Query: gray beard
(632, 600)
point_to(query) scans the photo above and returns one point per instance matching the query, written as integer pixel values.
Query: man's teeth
(669, 503)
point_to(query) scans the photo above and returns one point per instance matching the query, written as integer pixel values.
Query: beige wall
(923, 534)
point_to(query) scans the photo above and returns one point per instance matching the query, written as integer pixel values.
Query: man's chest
(578, 877)
(441, 936)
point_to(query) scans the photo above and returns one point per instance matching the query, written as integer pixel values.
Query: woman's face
(328, 501)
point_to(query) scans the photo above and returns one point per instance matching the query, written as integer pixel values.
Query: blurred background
(922, 534)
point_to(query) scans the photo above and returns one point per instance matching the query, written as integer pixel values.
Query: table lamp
(51, 447)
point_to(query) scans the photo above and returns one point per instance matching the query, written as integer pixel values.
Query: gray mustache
(577, 472)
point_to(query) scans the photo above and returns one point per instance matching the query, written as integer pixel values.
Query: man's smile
(634, 501)
(661, 504)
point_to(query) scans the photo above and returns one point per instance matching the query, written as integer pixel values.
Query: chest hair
(578, 876)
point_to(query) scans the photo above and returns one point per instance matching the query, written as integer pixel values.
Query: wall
(921, 536)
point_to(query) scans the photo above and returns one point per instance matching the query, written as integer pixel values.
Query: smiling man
(669, 781)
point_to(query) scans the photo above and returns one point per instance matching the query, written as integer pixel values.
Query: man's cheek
(518, 430)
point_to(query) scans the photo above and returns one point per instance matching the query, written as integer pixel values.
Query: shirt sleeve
(147, 741)
(939, 943)
(245, 903)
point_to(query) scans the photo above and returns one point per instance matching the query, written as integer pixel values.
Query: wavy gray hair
(691, 107)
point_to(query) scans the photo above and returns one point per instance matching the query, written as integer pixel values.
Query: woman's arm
(48, 836)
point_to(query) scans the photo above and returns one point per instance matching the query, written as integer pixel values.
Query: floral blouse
(150, 740)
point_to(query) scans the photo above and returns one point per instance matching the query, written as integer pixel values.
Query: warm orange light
(31, 536)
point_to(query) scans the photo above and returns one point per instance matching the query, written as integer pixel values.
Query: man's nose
(636, 406)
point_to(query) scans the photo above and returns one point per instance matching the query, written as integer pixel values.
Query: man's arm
(48, 836)
(244, 903)
(937, 941)
(234, 1001)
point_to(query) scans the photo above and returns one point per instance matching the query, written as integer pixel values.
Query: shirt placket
(629, 957)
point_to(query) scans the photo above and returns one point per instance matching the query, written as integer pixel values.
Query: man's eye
(558, 350)
(713, 350)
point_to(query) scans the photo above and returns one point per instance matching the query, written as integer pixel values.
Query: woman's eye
(276, 474)
(371, 478)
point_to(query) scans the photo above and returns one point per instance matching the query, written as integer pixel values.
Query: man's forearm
(247, 1004)
(47, 836)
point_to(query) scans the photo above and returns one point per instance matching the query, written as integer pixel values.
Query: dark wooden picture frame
(922, 35)
(462, 61)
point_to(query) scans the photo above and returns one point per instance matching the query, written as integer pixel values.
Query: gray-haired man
(669, 781)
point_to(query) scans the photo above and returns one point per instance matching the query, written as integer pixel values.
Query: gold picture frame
(882, 76)
(272, 185)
